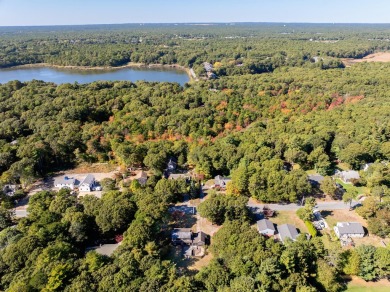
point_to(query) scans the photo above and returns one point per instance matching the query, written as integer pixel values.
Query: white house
(87, 184)
(349, 229)
(65, 183)
(266, 227)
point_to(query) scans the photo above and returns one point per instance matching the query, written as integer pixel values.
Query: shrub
(310, 227)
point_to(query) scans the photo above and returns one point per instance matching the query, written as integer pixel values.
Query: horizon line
(198, 23)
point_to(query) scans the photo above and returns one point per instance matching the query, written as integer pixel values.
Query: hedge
(310, 227)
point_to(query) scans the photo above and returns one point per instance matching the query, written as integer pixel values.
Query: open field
(359, 285)
(332, 217)
(94, 168)
(377, 57)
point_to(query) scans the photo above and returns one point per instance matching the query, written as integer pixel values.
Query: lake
(62, 75)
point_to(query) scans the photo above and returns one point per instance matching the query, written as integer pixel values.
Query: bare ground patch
(377, 57)
(358, 284)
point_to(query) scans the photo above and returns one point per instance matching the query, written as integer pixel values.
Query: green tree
(6, 218)
(328, 187)
(349, 196)
(115, 213)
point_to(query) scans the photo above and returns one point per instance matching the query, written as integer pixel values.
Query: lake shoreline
(102, 68)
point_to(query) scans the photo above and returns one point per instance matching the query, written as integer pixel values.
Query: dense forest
(237, 49)
(305, 110)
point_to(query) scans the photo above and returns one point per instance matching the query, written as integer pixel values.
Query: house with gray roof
(266, 227)
(87, 184)
(10, 190)
(185, 236)
(176, 176)
(141, 177)
(349, 175)
(287, 231)
(182, 236)
(316, 179)
(349, 229)
(65, 182)
(221, 182)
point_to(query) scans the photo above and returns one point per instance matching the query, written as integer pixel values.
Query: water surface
(60, 75)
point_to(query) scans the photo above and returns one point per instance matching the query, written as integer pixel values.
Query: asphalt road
(334, 205)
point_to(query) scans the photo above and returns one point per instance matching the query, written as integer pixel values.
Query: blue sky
(58, 12)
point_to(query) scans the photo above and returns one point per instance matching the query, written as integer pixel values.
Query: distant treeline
(237, 49)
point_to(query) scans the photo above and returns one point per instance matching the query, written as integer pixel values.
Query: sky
(70, 12)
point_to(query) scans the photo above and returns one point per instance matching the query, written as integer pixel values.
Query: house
(266, 227)
(10, 190)
(221, 182)
(208, 67)
(366, 166)
(200, 239)
(349, 176)
(176, 176)
(142, 178)
(349, 229)
(181, 236)
(194, 251)
(316, 179)
(65, 183)
(211, 75)
(87, 184)
(287, 231)
(172, 164)
(185, 236)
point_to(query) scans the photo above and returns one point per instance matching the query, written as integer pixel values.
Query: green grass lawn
(348, 187)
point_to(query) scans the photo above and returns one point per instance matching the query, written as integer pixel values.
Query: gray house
(349, 175)
(316, 179)
(349, 229)
(266, 227)
(185, 236)
(221, 182)
(287, 231)
(181, 236)
(142, 178)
